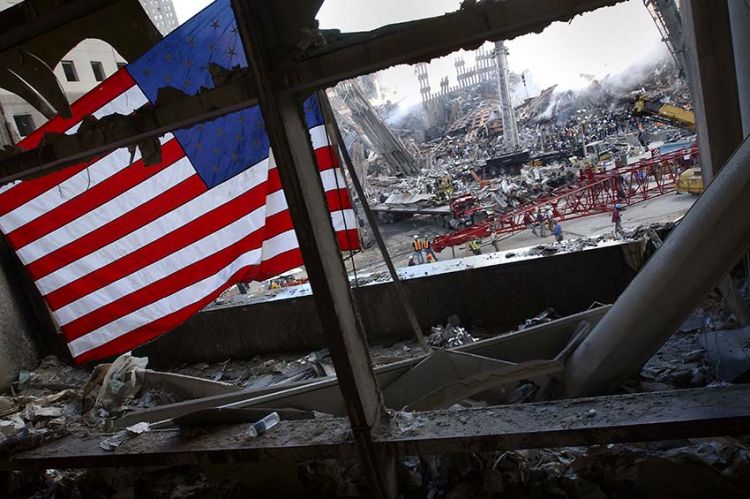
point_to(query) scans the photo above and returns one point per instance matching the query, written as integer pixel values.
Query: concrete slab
(655, 416)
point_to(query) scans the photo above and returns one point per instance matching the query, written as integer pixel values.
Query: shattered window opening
(98, 70)
(69, 69)
(24, 124)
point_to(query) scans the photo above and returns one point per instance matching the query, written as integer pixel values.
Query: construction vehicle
(691, 181)
(626, 186)
(668, 113)
(596, 152)
(466, 212)
(462, 211)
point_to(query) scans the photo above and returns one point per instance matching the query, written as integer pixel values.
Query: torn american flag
(123, 253)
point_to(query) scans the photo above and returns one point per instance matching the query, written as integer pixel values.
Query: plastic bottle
(259, 427)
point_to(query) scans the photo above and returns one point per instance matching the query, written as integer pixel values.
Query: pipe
(711, 238)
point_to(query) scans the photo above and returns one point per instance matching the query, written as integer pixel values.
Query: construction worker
(557, 231)
(540, 223)
(617, 220)
(476, 246)
(528, 222)
(427, 247)
(495, 238)
(416, 245)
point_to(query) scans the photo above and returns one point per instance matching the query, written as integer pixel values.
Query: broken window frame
(24, 124)
(69, 69)
(98, 69)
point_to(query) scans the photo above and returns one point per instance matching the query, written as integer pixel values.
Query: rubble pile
(46, 404)
(449, 336)
(567, 120)
(694, 468)
(545, 316)
(56, 400)
(496, 195)
(554, 122)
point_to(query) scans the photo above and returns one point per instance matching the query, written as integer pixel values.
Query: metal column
(510, 127)
(295, 159)
(701, 250)
(709, 62)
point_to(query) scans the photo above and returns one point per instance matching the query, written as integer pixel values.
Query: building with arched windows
(89, 63)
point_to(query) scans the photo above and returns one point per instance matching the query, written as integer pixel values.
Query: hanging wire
(341, 202)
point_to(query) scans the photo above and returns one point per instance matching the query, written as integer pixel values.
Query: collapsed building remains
(641, 396)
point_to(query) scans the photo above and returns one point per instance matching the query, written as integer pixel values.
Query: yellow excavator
(691, 180)
(674, 115)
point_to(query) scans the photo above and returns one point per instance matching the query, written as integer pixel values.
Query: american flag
(123, 253)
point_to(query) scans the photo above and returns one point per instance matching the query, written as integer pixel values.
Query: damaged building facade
(601, 366)
(84, 67)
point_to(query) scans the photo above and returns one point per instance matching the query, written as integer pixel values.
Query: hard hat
(416, 237)
(618, 206)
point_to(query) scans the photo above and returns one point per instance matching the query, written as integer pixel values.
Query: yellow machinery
(690, 181)
(673, 115)
(445, 187)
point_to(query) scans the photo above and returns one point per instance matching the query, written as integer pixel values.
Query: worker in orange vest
(427, 247)
(416, 245)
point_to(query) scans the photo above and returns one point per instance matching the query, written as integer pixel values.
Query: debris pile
(695, 468)
(545, 316)
(46, 404)
(449, 336)
(554, 128)
(88, 398)
(566, 120)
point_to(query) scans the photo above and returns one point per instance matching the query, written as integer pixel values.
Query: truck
(690, 181)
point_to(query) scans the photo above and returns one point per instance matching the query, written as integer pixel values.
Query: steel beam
(293, 153)
(62, 150)
(703, 412)
(323, 395)
(709, 62)
(425, 39)
(397, 284)
(706, 244)
(22, 22)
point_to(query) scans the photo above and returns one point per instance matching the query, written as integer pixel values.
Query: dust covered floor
(57, 400)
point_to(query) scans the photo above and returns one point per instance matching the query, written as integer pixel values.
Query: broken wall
(18, 349)
(496, 297)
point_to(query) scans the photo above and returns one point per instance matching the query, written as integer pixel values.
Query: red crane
(626, 186)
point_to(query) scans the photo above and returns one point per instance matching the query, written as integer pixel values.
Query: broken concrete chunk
(12, 426)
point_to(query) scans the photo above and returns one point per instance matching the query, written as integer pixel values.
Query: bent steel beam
(696, 255)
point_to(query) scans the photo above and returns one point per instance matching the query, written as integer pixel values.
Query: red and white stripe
(123, 253)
